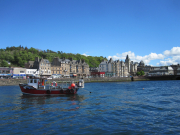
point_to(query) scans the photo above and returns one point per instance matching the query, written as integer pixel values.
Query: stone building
(60, 67)
(143, 67)
(107, 67)
(78, 68)
(176, 69)
(118, 68)
(163, 70)
(155, 70)
(42, 65)
(131, 66)
(70, 67)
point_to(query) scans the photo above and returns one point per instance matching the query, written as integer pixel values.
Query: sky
(147, 30)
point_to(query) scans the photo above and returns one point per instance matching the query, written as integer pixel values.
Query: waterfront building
(6, 72)
(163, 70)
(93, 70)
(155, 70)
(70, 67)
(176, 69)
(42, 65)
(19, 73)
(97, 74)
(107, 67)
(60, 67)
(32, 72)
(131, 66)
(78, 68)
(118, 68)
(143, 67)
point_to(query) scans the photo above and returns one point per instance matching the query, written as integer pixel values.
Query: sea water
(142, 107)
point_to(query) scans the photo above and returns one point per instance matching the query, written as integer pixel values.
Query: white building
(32, 72)
(19, 73)
(118, 68)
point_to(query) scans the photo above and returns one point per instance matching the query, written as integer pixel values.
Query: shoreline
(16, 82)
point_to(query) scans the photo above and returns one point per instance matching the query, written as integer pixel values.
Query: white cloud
(85, 54)
(173, 52)
(133, 57)
(170, 61)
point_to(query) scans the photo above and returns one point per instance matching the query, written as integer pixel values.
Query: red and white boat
(38, 86)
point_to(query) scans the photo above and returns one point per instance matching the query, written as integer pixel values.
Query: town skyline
(144, 30)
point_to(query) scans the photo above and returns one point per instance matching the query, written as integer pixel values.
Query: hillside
(17, 56)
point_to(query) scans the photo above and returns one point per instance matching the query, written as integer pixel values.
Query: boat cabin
(36, 82)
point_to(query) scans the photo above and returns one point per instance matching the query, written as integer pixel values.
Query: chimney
(37, 59)
(70, 59)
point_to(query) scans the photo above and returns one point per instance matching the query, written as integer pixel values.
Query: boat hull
(33, 91)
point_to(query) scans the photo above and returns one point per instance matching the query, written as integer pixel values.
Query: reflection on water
(52, 103)
(50, 99)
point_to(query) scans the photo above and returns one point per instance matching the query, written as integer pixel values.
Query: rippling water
(143, 107)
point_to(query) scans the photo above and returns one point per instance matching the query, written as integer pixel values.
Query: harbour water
(142, 107)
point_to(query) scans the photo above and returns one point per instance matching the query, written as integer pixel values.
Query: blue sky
(147, 30)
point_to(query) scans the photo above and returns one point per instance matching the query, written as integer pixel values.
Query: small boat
(38, 86)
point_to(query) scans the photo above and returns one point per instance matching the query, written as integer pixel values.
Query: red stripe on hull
(47, 92)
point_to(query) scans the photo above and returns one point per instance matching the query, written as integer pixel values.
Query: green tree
(140, 73)
(4, 64)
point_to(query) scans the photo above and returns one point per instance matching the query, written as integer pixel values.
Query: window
(31, 81)
(21, 71)
(35, 81)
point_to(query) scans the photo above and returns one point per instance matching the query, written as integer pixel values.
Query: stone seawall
(153, 78)
(7, 82)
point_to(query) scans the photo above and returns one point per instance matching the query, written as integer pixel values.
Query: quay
(14, 82)
(11, 82)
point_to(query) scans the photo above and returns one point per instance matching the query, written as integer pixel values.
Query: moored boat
(38, 86)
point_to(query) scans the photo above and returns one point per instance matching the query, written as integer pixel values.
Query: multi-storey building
(131, 66)
(60, 67)
(42, 65)
(143, 67)
(82, 68)
(155, 70)
(70, 67)
(176, 69)
(163, 70)
(118, 68)
(107, 67)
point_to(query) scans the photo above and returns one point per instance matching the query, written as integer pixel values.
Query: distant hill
(17, 56)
